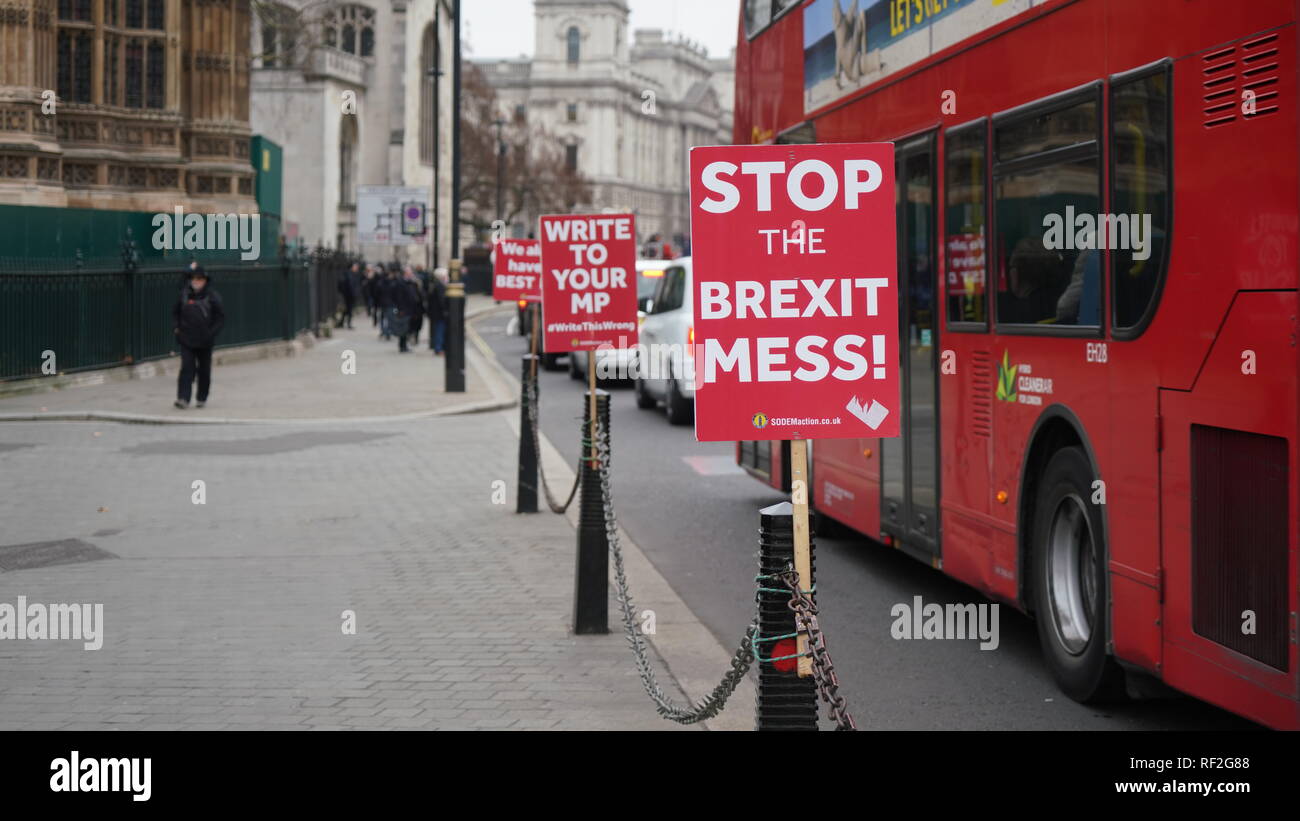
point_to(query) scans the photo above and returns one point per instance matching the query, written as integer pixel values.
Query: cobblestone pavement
(229, 614)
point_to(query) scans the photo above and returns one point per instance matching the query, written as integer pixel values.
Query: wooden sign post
(802, 543)
(591, 400)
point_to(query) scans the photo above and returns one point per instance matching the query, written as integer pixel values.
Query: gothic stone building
(627, 114)
(346, 89)
(125, 104)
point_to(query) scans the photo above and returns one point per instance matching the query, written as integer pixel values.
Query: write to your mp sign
(796, 292)
(588, 282)
(517, 270)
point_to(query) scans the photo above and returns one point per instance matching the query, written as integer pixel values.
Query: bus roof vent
(1241, 81)
(1219, 81)
(1259, 75)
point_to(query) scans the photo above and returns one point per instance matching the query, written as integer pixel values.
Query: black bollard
(591, 588)
(526, 495)
(455, 347)
(785, 701)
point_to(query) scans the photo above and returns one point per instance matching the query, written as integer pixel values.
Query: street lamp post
(435, 72)
(455, 357)
(455, 130)
(500, 124)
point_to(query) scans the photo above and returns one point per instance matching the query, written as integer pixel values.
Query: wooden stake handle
(802, 547)
(591, 393)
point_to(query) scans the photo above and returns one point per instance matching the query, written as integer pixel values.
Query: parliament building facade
(126, 104)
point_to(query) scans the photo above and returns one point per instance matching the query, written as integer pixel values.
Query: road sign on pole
(796, 292)
(588, 282)
(391, 215)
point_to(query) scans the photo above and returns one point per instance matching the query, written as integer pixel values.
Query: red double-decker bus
(1097, 234)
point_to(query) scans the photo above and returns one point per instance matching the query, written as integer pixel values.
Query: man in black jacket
(346, 284)
(197, 319)
(407, 305)
(368, 286)
(437, 308)
(384, 297)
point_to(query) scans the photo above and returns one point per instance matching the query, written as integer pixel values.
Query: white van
(614, 364)
(665, 367)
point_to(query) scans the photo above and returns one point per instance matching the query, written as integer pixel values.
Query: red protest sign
(795, 292)
(517, 270)
(588, 282)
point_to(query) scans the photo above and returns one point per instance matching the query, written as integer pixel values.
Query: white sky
(504, 28)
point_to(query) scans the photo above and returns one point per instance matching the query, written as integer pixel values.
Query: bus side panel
(769, 96)
(1129, 449)
(846, 482)
(1159, 39)
(1212, 649)
(966, 398)
(1234, 220)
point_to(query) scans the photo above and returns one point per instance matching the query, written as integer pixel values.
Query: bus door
(910, 465)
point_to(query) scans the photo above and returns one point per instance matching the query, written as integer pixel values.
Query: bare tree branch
(536, 178)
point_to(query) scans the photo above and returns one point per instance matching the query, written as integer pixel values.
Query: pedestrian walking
(368, 291)
(406, 304)
(346, 290)
(385, 288)
(197, 318)
(436, 307)
(417, 318)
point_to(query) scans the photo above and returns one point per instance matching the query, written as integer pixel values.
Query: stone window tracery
(350, 28)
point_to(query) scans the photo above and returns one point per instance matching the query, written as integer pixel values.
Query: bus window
(1139, 186)
(758, 13)
(964, 204)
(803, 134)
(1047, 192)
(1034, 134)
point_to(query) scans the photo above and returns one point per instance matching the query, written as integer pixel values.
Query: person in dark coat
(406, 304)
(346, 286)
(384, 298)
(417, 319)
(436, 306)
(369, 291)
(197, 318)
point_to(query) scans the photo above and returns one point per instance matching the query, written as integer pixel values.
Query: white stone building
(344, 88)
(627, 111)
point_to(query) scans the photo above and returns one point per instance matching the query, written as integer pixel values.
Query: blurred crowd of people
(397, 298)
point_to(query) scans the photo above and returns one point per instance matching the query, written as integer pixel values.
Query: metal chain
(531, 388)
(805, 618)
(741, 660)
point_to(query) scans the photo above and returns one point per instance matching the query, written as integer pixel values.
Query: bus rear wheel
(1070, 593)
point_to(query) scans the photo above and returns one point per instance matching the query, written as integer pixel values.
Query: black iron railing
(85, 315)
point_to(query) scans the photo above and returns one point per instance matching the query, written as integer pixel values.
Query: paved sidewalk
(334, 493)
(311, 385)
(229, 614)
